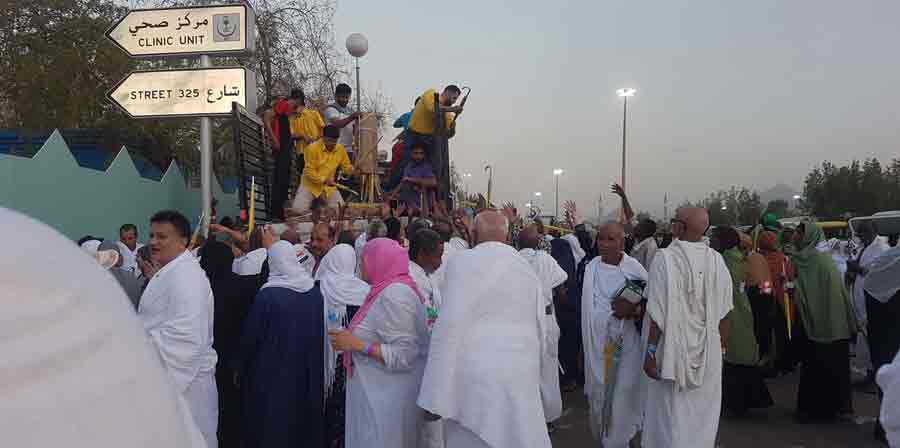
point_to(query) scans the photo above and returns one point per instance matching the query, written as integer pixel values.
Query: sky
(728, 93)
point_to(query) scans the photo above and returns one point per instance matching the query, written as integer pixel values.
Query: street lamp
(466, 177)
(624, 94)
(556, 173)
(357, 46)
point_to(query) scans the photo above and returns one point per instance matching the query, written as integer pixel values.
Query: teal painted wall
(77, 201)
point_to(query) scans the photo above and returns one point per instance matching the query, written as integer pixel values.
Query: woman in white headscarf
(280, 358)
(340, 288)
(88, 378)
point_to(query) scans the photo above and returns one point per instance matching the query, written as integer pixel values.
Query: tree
(857, 189)
(733, 207)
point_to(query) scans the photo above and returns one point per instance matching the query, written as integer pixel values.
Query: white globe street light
(357, 46)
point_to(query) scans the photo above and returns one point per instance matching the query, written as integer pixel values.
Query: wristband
(651, 350)
(370, 348)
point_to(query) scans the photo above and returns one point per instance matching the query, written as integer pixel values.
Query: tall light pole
(490, 171)
(537, 199)
(556, 173)
(466, 177)
(624, 94)
(357, 46)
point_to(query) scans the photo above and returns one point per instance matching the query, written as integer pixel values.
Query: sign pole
(206, 158)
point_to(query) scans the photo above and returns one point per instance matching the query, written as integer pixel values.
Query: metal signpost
(201, 92)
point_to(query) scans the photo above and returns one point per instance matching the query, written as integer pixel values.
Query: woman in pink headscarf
(386, 342)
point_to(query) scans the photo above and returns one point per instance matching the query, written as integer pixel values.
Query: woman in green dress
(825, 323)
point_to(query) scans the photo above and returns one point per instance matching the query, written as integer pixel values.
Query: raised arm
(268, 119)
(626, 205)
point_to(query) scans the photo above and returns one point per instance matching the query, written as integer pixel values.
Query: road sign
(201, 92)
(211, 30)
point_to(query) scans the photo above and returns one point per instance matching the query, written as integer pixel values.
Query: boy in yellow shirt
(306, 127)
(321, 161)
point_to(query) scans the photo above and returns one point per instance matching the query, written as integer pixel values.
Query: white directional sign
(181, 31)
(200, 92)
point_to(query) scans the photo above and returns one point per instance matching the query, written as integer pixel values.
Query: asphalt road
(769, 428)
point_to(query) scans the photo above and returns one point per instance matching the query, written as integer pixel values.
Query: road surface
(769, 428)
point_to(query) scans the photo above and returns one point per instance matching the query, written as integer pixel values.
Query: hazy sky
(729, 93)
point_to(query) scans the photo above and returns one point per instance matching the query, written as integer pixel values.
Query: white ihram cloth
(577, 251)
(381, 398)
(484, 367)
(454, 246)
(883, 280)
(426, 284)
(551, 276)
(177, 312)
(76, 368)
(432, 434)
(129, 258)
(341, 288)
(874, 250)
(250, 263)
(688, 294)
(359, 245)
(601, 284)
(888, 378)
(644, 252)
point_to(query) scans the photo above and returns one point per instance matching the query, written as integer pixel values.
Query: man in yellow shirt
(321, 161)
(420, 131)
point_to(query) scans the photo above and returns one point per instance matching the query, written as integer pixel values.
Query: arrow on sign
(183, 31)
(202, 92)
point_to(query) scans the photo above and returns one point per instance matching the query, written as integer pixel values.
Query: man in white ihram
(688, 299)
(177, 312)
(551, 276)
(484, 365)
(607, 317)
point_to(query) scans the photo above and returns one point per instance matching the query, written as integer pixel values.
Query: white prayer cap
(77, 369)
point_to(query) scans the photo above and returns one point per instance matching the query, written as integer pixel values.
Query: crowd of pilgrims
(459, 331)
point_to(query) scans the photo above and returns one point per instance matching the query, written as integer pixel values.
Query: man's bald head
(695, 221)
(611, 242)
(529, 238)
(290, 235)
(491, 226)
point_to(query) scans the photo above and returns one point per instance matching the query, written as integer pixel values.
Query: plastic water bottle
(333, 323)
